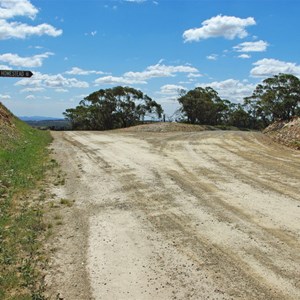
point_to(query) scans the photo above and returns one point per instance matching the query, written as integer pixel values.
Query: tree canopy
(112, 108)
(200, 105)
(277, 97)
(204, 106)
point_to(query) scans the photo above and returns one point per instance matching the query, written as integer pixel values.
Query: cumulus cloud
(18, 30)
(231, 89)
(212, 57)
(12, 8)
(61, 90)
(4, 97)
(78, 71)
(22, 8)
(4, 67)
(30, 97)
(244, 56)
(228, 27)
(258, 46)
(117, 80)
(171, 89)
(160, 70)
(193, 75)
(52, 81)
(156, 71)
(30, 62)
(32, 90)
(269, 67)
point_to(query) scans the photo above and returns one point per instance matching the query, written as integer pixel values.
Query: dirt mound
(285, 132)
(7, 126)
(166, 127)
(5, 116)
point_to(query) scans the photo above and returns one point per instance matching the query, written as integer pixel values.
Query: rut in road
(179, 215)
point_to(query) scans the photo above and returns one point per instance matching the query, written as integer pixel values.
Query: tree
(112, 108)
(238, 117)
(277, 97)
(203, 106)
(222, 111)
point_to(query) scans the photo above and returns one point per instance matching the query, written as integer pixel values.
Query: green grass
(24, 160)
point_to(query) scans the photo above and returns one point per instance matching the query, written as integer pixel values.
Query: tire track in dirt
(195, 213)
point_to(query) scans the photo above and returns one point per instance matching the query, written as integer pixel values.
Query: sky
(76, 47)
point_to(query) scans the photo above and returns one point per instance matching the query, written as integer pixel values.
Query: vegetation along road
(177, 215)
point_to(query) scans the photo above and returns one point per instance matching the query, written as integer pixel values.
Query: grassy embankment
(24, 160)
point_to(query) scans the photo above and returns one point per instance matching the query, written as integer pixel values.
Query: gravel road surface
(176, 215)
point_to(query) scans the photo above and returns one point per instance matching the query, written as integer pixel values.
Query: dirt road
(177, 215)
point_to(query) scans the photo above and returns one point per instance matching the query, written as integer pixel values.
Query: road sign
(15, 73)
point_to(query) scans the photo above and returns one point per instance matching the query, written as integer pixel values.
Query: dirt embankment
(7, 126)
(5, 116)
(176, 215)
(166, 127)
(285, 132)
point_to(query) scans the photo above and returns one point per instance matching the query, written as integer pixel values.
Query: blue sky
(75, 47)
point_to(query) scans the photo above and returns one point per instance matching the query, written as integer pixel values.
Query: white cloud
(78, 71)
(30, 62)
(22, 8)
(3, 67)
(269, 67)
(52, 81)
(231, 89)
(259, 46)
(169, 99)
(155, 71)
(18, 30)
(61, 90)
(193, 75)
(212, 57)
(117, 80)
(160, 70)
(32, 90)
(245, 56)
(13, 8)
(92, 33)
(228, 27)
(4, 97)
(171, 89)
(30, 97)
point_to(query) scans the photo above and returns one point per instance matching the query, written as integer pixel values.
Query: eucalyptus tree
(203, 106)
(277, 97)
(112, 108)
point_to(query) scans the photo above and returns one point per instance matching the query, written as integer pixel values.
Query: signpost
(15, 73)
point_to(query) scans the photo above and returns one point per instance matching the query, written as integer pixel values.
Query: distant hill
(52, 124)
(38, 118)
